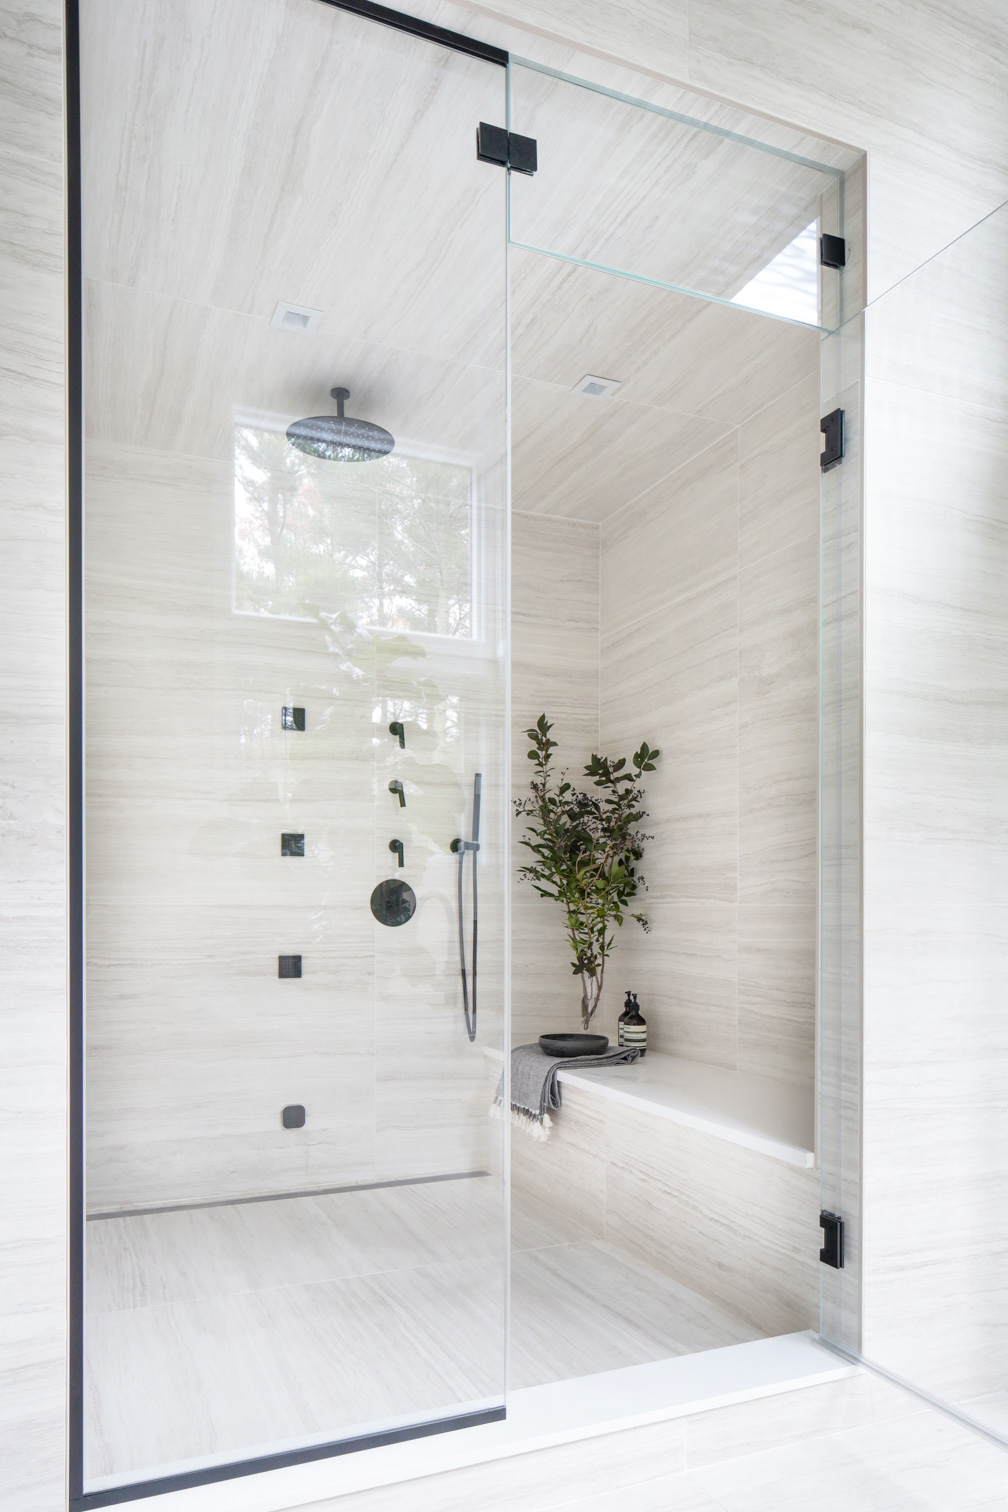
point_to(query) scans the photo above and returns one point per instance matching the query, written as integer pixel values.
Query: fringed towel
(535, 1091)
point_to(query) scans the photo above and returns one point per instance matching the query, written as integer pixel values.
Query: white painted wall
(921, 85)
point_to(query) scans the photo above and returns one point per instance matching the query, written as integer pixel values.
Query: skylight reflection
(789, 284)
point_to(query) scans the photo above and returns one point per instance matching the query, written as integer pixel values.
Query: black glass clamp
(506, 148)
(832, 427)
(832, 1249)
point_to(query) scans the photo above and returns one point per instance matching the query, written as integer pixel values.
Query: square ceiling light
(288, 317)
(595, 388)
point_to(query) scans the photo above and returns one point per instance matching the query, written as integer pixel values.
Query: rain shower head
(338, 438)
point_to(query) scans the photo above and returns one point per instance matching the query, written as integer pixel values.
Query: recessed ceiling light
(288, 317)
(595, 388)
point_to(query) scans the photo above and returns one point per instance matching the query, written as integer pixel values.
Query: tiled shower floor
(237, 1330)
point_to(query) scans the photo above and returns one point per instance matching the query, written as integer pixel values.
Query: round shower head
(338, 438)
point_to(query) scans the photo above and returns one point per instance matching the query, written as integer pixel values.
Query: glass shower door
(295, 672)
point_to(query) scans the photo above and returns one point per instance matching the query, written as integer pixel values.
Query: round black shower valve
(393, 902)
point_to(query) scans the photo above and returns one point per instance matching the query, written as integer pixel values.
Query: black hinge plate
(506, 148)
(832, 251)
(832, 1250)
(832, 427)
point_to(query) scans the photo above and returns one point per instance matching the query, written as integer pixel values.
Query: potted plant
(586, 847)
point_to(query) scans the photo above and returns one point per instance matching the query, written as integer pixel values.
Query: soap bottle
(621, 1021)
(633, 1026)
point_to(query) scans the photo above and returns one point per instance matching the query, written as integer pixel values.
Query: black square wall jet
(291, 845)
(289, 966)
(293, 1116)
(293, 719)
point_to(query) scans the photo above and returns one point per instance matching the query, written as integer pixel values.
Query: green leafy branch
(587, 846)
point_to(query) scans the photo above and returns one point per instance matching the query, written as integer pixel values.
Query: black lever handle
(398, 728)
(398, 849)
(395, 786)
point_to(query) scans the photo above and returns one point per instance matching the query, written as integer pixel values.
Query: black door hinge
(832, 251)
(832, 427)
(832, 1250)
(506, 148)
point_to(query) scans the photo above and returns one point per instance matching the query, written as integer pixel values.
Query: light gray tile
(757, 1426)
(778, 726)
(927, 185)
(538, 1225)
(583, 458)
(685, 973)
(690, 714)
(581, 1308)
(33, 761)
(680, 536)
(568, 1171)
(31, 69)
(779, 471)
(777, 992)
(741, 1227)
(924, 1462)
(597, 1474)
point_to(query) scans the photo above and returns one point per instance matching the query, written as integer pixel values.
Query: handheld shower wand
(459, 848)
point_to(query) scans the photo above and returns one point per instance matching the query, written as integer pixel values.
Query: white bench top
(772, 1117)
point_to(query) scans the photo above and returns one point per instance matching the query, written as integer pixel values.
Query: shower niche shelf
(771, 1117)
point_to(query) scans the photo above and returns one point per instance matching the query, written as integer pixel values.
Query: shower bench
(705, 1174)
(773, 1118)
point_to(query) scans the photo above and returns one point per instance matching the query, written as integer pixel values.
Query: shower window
(387, 545)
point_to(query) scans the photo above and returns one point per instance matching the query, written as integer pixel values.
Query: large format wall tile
(936, 737)
(554, 671)
(779, 470)
(670, 679)
(685, 972)
(741, 1228)
(33, 1052)
(778, 725)
(937, 149)
(777, 991)
(681, 535)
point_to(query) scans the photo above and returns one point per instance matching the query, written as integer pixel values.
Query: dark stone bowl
(573, 1044)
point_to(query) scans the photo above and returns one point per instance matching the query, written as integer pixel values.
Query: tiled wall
(922, 87)
(936, 824)
(706, 625)
(922, 90)
(194, 1044)
(33, 1045)
(710, 652)
(554, 670)
(738, 1227)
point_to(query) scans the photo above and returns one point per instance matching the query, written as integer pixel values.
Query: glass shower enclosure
(294, 688)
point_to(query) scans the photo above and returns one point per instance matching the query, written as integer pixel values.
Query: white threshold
(773, 1117)
(538, 1417)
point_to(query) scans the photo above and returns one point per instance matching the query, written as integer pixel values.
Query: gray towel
(535, 1092)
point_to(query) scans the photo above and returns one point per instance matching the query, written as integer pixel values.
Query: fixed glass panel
(295, 678)
(934, 1078)
(638, 189)
(840, 797)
